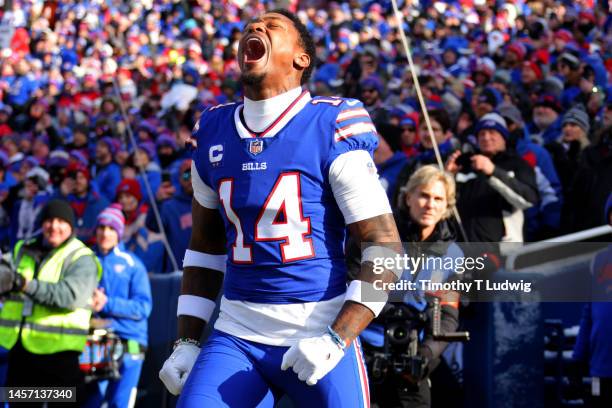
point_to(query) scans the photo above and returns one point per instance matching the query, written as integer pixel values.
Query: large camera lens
(398, 333)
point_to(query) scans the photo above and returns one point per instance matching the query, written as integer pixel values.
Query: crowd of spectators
(80, 77)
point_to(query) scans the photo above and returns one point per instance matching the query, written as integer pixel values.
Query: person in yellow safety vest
(44, 320)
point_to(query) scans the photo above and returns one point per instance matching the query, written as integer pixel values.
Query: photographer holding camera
(495, 185)
(400, 345)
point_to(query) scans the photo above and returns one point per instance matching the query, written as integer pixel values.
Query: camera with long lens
(399, 355)
(402, 324)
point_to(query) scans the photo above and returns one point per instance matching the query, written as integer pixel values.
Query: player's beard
(252, 80)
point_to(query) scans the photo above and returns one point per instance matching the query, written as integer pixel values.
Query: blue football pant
(236, 373)
(119, 393)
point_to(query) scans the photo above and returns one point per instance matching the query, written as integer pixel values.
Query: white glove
(312, 358)
(177, 367)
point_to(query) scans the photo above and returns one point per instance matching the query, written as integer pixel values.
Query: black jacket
(584, 205)
(436, 245)
(488, 204)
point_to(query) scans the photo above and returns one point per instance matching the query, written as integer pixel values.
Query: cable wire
(415, 80)
(143, 174)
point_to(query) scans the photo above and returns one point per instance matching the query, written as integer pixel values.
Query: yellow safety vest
(46, 329)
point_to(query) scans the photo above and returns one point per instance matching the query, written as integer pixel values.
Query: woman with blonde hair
(425, 201)
(425, 204)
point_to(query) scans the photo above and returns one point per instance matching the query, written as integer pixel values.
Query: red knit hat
(77, 167)
(534, 67)
(564, 35)
(518, 48)
(130, 186)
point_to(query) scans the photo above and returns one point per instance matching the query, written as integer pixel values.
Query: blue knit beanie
(493, 121)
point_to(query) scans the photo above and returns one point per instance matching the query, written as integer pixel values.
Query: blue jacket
(21, 89)
(39, 201)
(153, 175)
(595, 336)
(127, 287)
(547, 215)
(107, 179)
(85, 227)
(390, 170)
(145, 244)
(548, 135)
(568, 95)
(176, 219)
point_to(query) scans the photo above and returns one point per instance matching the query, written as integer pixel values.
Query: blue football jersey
(285, 233)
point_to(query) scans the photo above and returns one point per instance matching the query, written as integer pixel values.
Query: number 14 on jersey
(281, 219)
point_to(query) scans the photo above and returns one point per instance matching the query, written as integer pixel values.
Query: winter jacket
(24, 217)
(566, 158)
(75, 287)
(591, 186)
(543, 220)
(548, 135)
(126, 285)
(86, 212)
(389, 172)
(145, 244)
(153, 175)
(439, 244)
(491, 207)
(176, 218)
(595, 336)
(107, 179)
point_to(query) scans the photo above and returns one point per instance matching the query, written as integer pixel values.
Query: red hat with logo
(130, 186)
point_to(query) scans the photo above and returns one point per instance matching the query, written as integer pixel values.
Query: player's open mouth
(254, 50)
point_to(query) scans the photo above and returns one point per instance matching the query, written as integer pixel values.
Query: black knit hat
(58, 209)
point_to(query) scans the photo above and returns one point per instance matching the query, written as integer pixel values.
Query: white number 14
(280, 219)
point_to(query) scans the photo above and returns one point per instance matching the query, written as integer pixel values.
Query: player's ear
(301, 60)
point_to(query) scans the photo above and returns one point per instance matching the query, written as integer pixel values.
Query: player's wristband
(365, 293)
(196, 306)
(186, 340)
(382, 256)
(204, 260)
(336, 338)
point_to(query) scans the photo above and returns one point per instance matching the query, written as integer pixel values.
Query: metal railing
(512, 256)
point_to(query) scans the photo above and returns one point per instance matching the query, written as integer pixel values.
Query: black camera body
(465, 161)
(403, 324)
(399, 355)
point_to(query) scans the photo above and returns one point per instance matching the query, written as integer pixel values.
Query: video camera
(399, 356)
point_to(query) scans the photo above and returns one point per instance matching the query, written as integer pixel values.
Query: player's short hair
(428, 174)
(306, 41)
